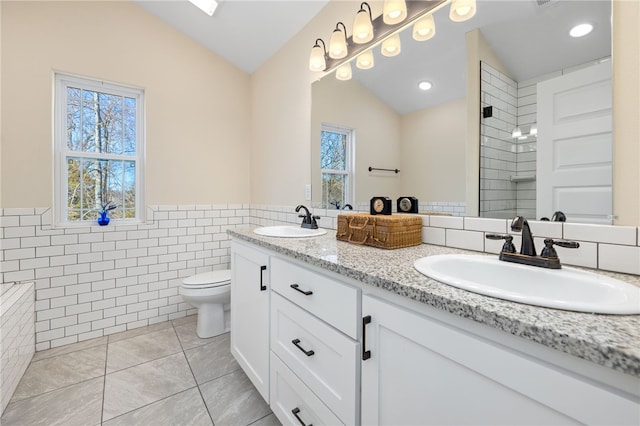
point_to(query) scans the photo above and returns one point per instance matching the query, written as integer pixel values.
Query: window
(336, 145)
(99, 141)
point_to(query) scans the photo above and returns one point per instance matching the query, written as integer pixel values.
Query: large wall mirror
(383, 122)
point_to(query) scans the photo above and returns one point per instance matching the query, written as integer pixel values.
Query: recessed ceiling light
(581, 30)
(424, 85)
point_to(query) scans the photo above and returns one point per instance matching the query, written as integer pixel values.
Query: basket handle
(351, 240)
(359, 228)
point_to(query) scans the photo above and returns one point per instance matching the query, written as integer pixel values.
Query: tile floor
(158, 375)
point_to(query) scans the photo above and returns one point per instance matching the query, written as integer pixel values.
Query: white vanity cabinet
(425, 369)
(315, 351)
(250, 313)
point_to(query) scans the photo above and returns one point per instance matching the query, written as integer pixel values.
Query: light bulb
(394, 11)
(461, 10)
(317, 61)
(362, 27)
(338, 44)
(391, 46)
(344, 72)
(424, 28)
(364, 61)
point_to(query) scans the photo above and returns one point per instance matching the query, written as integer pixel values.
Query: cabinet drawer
(323, 358)
(292, 402)
(332, 301)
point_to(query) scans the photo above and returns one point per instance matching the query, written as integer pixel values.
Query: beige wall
(433, 152)
(626, 108)
(377, 135)
(197, 104)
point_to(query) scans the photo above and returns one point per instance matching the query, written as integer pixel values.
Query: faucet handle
(548, 250)
(508, 241)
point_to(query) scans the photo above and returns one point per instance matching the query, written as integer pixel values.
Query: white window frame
(349, 160)
(60, 181)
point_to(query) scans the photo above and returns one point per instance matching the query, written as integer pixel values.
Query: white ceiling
(531, 40)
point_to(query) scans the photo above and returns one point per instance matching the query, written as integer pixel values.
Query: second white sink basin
(567, 288)
(289, 231)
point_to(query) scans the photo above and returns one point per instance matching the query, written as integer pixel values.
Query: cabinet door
(250, 314)
(425, 371)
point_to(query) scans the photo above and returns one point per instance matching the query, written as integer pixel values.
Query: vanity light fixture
(344, 72)
(338, 42)
(581, 30)
(394, 11)
(424, 85)
(317, 61)
(391, 46)
(517, 132)
(363, 25)
(364, 61)
(424, 28)
(369, 33)
(207, 6)
(461, 10)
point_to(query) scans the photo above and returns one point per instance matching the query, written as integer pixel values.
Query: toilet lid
(208, 279)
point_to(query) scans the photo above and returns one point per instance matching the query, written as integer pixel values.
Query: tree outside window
(98, 149)
(335, 165)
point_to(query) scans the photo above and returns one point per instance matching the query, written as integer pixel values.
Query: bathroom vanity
(333, 333)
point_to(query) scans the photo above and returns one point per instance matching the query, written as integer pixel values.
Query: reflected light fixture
(344, 72)
(207, 6)
(581, 30)
(363, 25)
(394, 11)
(425, 85)
(424, 28)
(338, 42)
(317, 61)
(461, 10)
(517, 132)
(391, 46)
(364, 61)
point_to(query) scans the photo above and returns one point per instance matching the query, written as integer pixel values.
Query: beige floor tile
(139, 349)
(59, 371)
(232, 400)
(135, 387)
(270, 420)
(212, 360)
(139, 331)
(185, 320)
(188, 337)
(184, 409)
(69, 348)
(78, 404)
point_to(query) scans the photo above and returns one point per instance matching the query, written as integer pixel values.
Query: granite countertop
(609, 340)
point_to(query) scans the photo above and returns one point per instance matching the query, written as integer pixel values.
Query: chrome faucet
(308, 220)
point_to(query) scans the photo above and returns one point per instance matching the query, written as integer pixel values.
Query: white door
(250, 314)
(574, 161)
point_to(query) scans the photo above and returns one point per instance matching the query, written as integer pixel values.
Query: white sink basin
(289, 231)
(567, 288)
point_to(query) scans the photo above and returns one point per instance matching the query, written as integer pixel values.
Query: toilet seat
(208, 279)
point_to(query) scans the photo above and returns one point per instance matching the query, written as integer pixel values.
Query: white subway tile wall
(93, 281)
(611, 248)
(17, 336)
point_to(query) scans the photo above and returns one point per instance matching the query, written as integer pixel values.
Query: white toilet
(209, 293)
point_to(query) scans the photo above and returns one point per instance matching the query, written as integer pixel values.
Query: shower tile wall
(94, 281)
(526, 149)
(498, 161)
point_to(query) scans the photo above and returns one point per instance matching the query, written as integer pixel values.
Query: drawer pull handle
(262, 269)
(296, 287)
(295, 412)
(296, 342)
(365, 354)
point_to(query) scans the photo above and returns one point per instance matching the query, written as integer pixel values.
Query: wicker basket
(383, 231)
